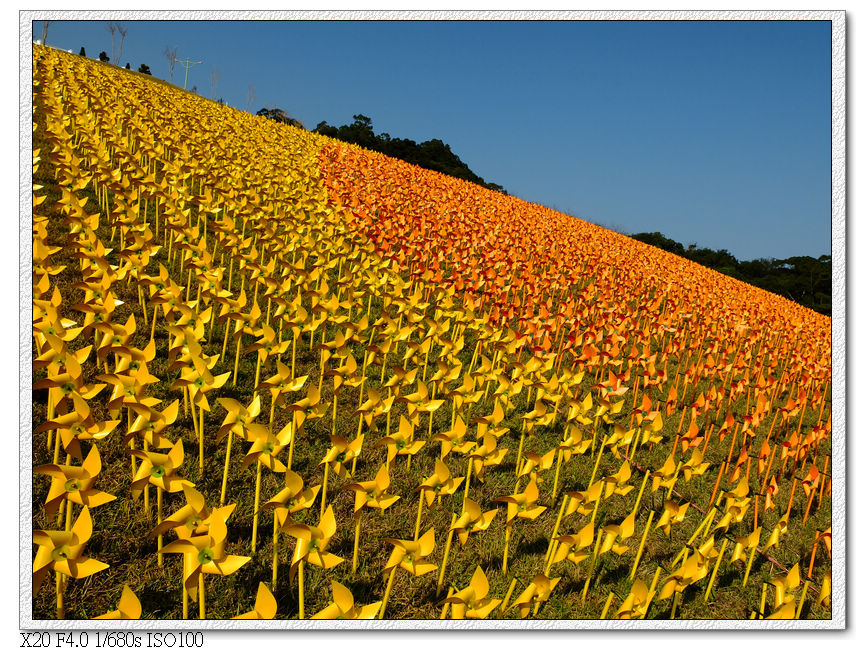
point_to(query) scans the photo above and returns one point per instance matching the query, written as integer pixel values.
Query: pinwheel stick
(200, 439)
(447, 605)
(715, 571)
(445, 558)
(183, 589)
(508, 528)
(387, 592)
(225, 469)
(419, 511)
(293, 436)
(504, 604)
(763, 600)
(300, 589)
(556, 477)
(255, 507)
(60, 586)
(555, 532)
(748, 569)
(202, 614)
(275, 551)
(591, 565)
(607, 605)
(802, 598)
(356, 541)
(324, 487)
(158, 522)
(676, 598)
(640, 548)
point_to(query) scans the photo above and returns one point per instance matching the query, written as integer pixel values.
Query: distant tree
(144, 69)
(432, 154)
(279, 115)
(104, 57)
(82, 52)
(127, 66)
(194, 90)
(170, 54)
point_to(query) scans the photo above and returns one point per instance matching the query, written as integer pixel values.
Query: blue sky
(711, 132)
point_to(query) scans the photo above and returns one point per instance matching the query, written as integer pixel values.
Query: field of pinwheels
(279, 376)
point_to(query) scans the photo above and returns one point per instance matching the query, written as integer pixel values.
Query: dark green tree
(144, 69)
(104, 57)
(81, 52)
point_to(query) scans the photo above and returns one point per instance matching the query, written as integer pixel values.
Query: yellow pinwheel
(472, 602)
(674, 513)
(159, 470)
(63, 552)
(205, 554)
(784, 586)
(343, 606)
(615, 534)
(75, 426)
(618, 482)
(129, 607)
(74, 484)
(401, 443)
(312, 542)
(311, 548)
(538, 592)
(572, 547)
(342, 451)
(694, 466)
(583, 501)
(454, 440)
(264, 607)
(636, 604)
(410, 555)
(373, 494)
(520, 505)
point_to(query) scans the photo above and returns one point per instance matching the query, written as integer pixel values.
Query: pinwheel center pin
(157, 471)
(199, 382)
(61, 553)
(67, 388)
(400, 444)
(205, 555)
(135, 365)
(267, 448)
(340, 457)
(77, 428)
(193, 522)
(72, 485)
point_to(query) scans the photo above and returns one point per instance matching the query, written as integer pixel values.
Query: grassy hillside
(198, 270)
